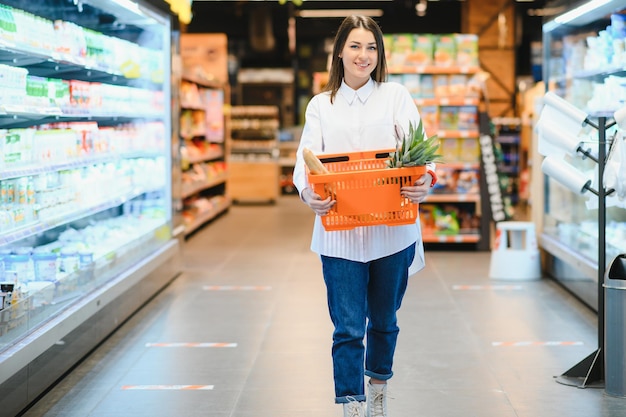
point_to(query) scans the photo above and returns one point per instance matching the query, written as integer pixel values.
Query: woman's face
(359, 56)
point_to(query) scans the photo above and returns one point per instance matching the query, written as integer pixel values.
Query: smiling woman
(366, 269)
(359, 57)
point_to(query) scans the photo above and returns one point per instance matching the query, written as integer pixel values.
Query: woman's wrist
(433, 175)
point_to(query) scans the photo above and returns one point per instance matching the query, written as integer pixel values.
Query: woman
(365, 269)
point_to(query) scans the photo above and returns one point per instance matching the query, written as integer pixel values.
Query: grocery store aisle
(244, 332)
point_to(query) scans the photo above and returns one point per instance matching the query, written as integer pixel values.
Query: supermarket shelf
(600, 73)
(202, 82)
(208, 156)
(287, 162)
(27, 116)
(451, 134)
(192, 106)
(508, 139)
(453, 198)
(579, 261)
(194, 134)
(459, 165)
(191, 189)
(447, 101)
(461, 238)
(38, 227)
(209, 215)
(433, 70)
(252, 145)
(77, 163)
(56, 65)
(289, 145)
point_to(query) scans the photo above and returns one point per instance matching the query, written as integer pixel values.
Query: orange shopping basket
(366, 191)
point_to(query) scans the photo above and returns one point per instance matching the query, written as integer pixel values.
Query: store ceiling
(247, 22)
(235, 17)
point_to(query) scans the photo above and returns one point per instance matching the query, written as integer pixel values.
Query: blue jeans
(364, 296)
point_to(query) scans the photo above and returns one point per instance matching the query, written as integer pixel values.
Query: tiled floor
(252, 287)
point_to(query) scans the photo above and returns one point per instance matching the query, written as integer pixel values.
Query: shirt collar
(362, 93)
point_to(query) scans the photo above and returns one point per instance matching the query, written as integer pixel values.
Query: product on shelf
(423, 50)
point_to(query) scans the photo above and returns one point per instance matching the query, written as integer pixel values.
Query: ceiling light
(420, 8)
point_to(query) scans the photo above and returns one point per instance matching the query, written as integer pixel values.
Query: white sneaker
(353, 409)
(376, 400)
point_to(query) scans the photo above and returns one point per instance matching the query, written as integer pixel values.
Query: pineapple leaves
(415, 148)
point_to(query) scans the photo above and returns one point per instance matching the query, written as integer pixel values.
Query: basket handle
(354, 156)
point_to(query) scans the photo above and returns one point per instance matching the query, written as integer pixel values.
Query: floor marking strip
(236, 288)
(168, 387)
(527, 343)
(487, 287)
(193, 345)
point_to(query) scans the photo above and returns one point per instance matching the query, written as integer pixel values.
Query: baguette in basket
(313, 163)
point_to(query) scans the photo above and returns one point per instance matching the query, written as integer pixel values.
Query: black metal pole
(589, 373)
(601, 240)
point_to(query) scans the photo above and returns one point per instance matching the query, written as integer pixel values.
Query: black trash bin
(615, 327)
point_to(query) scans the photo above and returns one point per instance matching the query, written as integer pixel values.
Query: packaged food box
(422, 54)
(449, 118)
(430, 119)
(441, 85)
(401, 48)
(467, 118)
(445, 50)
(412, 83)
(449, 148)
(469, 150)
(467, 50)
(457, 85)
(427, 86)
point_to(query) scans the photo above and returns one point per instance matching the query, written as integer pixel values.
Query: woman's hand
(418, 192)
(313, 200)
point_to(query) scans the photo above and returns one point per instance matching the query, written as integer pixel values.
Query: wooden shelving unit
(253, 162)
(204, 135)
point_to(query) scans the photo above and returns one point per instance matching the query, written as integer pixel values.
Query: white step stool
(515, 255)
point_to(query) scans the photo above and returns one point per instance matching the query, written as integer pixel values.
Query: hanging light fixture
(420, 8)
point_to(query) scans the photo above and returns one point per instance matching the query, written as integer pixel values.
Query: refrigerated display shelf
(431, 69)
(12, 117)
(38, 227)
(460, 238)
(54, 65)
(32, 169)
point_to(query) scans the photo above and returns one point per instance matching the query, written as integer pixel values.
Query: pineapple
(414, 149)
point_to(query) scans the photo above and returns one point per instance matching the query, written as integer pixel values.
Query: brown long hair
(336, 67)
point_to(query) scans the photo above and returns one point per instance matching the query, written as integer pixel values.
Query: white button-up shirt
(359, 120)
